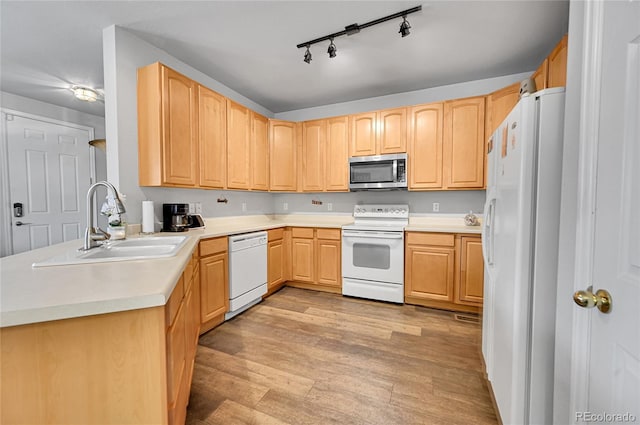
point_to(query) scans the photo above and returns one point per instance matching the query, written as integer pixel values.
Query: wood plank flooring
(306, 357)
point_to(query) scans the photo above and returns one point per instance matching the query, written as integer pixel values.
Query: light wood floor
(306, 357)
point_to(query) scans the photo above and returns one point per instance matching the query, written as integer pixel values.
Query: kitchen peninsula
(95, 341)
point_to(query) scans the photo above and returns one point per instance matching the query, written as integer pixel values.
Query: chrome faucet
(93, 234)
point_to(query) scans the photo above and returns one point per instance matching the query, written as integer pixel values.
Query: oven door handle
(372, 235)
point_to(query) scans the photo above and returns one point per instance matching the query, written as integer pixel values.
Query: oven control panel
(381, 211)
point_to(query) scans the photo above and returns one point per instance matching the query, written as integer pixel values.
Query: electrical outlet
(329, 206)
(192, 208)
(244, 206)
(436, 206)
(198, 208)
(285, 206)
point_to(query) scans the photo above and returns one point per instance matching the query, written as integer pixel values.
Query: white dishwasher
(247, 271)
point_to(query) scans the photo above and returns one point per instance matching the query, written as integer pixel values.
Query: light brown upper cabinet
(463, 166)
(212, 138)
(325, 160)
(238, 146)
(363, 134)
(541, 75)
(381, 132)
(282, 153)
(313, 150)
(259, 152)
(558, 65)
(337, 155)
(425, 146)
(167, 127)
(499, 104)
(552, 72)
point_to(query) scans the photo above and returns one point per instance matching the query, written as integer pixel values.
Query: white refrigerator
(520, 248)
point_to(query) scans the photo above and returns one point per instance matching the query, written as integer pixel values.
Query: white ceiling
(250, 46)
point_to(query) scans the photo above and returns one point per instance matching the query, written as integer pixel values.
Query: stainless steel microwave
(378, 172)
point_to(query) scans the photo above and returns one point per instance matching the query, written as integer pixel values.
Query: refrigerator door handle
(487, 232)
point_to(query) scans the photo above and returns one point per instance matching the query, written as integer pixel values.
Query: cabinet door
(363, 134)
(179, 141)
(214, 286)
(282, 152)
(302, 267)
(212, 138)
(313, 143)
(259, 152)
(429, 272)
(558, 65)
(464, 143)
(238, 146)
(337, 155)
(499, 104)
(471, 277)
(328, 257)
(275, 263)
(392, 131)
(425, 146)
(176, 355)
(541, 75)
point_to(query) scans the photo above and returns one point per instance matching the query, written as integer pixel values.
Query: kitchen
(127, 151)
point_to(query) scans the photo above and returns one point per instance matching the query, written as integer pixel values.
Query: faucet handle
(97, 234)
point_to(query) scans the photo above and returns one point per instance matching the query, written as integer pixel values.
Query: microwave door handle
(395, 170)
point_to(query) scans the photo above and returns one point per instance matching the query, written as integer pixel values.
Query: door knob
(19, 223)
(587, 299)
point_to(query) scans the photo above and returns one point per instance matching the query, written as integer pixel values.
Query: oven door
(373, 255)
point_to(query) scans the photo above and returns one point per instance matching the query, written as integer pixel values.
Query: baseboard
(210, 324)
(442, 305)
(314, 287)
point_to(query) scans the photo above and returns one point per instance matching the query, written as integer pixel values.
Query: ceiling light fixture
(85, 93)
(355, 28)
(404, 27)
(332, 50)
(307, 55)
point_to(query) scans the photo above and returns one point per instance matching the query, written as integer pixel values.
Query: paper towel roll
(148, 218)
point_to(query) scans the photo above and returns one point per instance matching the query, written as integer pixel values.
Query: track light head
(307, 55)
(404, 27)
(332, 49)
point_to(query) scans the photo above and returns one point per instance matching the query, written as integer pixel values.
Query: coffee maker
(175, 217)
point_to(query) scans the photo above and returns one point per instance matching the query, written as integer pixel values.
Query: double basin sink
(122, 250)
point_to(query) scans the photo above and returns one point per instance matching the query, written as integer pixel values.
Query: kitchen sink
(124, 250)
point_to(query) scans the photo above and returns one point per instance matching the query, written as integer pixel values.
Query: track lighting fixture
(404, 27)
(332, 49)
(355, 28)
(307, 55)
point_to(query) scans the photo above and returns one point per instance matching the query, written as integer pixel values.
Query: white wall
(419, 202)
(48, 110)
(123, 54)
(435, 94)
(568, 215)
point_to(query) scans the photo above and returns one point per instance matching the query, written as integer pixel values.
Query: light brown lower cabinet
(444, 270)
(140, 364)
(275, 260)
(214, 282)
(315, 259)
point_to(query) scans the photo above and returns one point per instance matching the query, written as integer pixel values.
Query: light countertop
(32, 295)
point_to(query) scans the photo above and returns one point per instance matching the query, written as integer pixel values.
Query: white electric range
(373, 253)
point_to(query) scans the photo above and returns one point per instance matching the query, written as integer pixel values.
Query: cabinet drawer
(171, 308)
(275, 234)
(440, 239)
(333, 234)
(213, 246)
(302, 232)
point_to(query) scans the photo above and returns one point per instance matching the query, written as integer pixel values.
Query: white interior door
(49, 174)
(605, 385)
